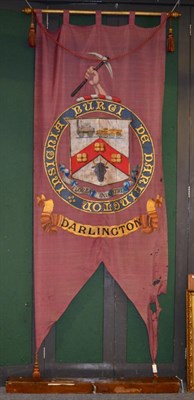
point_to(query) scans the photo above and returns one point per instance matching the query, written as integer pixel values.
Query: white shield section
(100, 172)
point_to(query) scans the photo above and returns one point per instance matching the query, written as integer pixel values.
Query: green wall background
(16, 104)
(75, 341)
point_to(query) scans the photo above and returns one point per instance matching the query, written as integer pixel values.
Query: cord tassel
(170, 39)
(32, 33)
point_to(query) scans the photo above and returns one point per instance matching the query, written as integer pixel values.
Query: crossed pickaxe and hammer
(104, 61)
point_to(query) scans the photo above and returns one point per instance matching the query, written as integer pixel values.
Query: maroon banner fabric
(98, 166)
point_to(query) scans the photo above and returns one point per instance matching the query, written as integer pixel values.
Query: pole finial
(36, 371)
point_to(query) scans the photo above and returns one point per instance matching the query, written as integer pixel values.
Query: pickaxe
(104, 61)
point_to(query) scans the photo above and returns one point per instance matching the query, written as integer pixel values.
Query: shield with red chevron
(100, 150)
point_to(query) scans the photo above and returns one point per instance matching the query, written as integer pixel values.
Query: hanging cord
(177, 4)
(27, 2)
(170, 39)
(47, 21)
(44, 30)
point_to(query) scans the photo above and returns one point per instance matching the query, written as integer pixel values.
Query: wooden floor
(141, 386)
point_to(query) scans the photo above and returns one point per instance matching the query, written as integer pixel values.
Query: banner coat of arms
(98, 166)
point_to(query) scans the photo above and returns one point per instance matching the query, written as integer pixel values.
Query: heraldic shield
(99, 150)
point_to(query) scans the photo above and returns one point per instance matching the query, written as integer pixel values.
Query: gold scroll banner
(50, 222)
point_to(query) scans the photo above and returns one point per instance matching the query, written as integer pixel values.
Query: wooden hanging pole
(174, 14)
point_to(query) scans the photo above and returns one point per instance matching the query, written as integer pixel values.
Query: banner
(98, 181)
